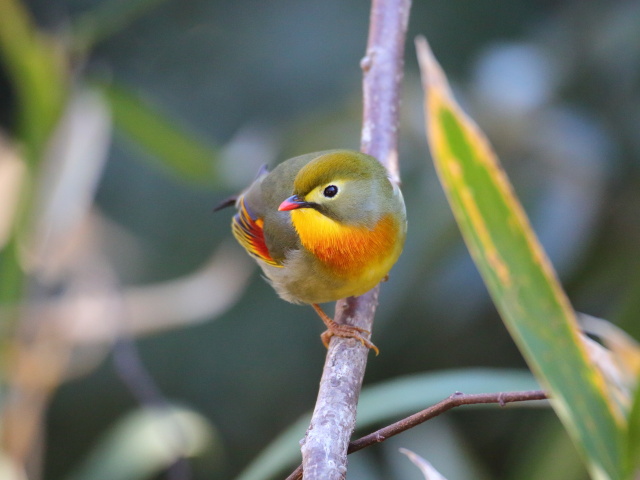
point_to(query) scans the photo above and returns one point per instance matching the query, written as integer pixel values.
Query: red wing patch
(248, 231)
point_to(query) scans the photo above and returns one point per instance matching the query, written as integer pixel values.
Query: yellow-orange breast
(350, 252)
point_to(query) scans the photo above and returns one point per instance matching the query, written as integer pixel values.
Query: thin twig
(456, 400)
(324, 448)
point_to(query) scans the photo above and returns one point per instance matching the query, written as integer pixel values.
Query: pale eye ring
(330, 191)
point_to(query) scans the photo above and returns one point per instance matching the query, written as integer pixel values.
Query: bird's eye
(330, 191)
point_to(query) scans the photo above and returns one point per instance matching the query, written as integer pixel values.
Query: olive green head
(347, 186)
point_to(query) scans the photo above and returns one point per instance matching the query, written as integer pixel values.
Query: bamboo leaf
(106, 19)
(165, 140)
(34, 66)
(38, 80)
(633, 440)
(146, 441)
(425, 467)
(518, 274)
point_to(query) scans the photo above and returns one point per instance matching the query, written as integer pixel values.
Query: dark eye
(330, 191)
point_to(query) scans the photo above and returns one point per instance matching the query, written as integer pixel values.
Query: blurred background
(122, 123)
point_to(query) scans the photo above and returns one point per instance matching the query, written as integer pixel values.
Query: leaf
(65, 188)
(37, 77)
(176, 148)
(633, 440)
(389, 401)
(106, 19)
(146, 442)
(549, 454)
(518, 274)
(623, 354)
(425, 467)
(407, 395)
(36, 74)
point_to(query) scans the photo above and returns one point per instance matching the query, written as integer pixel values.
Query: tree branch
(324, 448)
(456, 400)
(383, 67)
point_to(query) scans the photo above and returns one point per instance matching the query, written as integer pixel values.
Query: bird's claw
(348, 331)
(342, 330)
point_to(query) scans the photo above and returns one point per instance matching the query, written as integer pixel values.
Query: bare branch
(383, 70)
(324, 448)
(456, 400)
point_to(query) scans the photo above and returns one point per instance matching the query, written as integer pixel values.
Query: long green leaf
(174, 146)
(425, 467)
(35, 69)
(518, 274)
(145, 442)
(106, 19)
(389, 401)
(633, 439)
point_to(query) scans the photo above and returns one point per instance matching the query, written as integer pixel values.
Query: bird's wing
(248, 230)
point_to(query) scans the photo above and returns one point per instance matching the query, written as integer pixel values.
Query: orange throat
(347, 251)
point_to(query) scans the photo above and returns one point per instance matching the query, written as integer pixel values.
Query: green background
(554, 85)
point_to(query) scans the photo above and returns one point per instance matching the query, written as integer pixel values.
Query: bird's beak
(292, 203)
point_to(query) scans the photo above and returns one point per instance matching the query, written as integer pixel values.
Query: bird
(323, 226)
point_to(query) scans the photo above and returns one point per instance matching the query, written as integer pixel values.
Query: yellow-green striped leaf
(518, 274)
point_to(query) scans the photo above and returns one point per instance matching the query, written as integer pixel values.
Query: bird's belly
(304, 280)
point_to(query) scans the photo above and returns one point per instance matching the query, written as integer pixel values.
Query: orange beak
(292, 203)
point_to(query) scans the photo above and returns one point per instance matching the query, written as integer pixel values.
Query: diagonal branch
(324, 448)
(456, 400)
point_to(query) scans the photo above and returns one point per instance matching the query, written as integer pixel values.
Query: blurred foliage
(185, 155)
(554, 85)
(383, 403)
(632, 463)
(425, 467)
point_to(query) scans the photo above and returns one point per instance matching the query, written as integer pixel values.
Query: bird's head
(348, 187)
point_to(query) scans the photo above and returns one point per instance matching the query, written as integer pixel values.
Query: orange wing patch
(248, 231)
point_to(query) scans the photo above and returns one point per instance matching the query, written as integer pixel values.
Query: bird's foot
(348, 331)
(342, 330)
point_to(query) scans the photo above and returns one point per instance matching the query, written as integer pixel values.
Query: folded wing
(248, 230)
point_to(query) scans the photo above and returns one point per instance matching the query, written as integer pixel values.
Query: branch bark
(324, 448)
(456, 400)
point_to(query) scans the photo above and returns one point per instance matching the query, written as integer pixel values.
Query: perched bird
(322, 227)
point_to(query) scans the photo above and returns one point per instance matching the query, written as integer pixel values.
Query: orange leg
(340, 330)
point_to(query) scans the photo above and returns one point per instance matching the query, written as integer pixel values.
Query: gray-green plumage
(264, 197)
